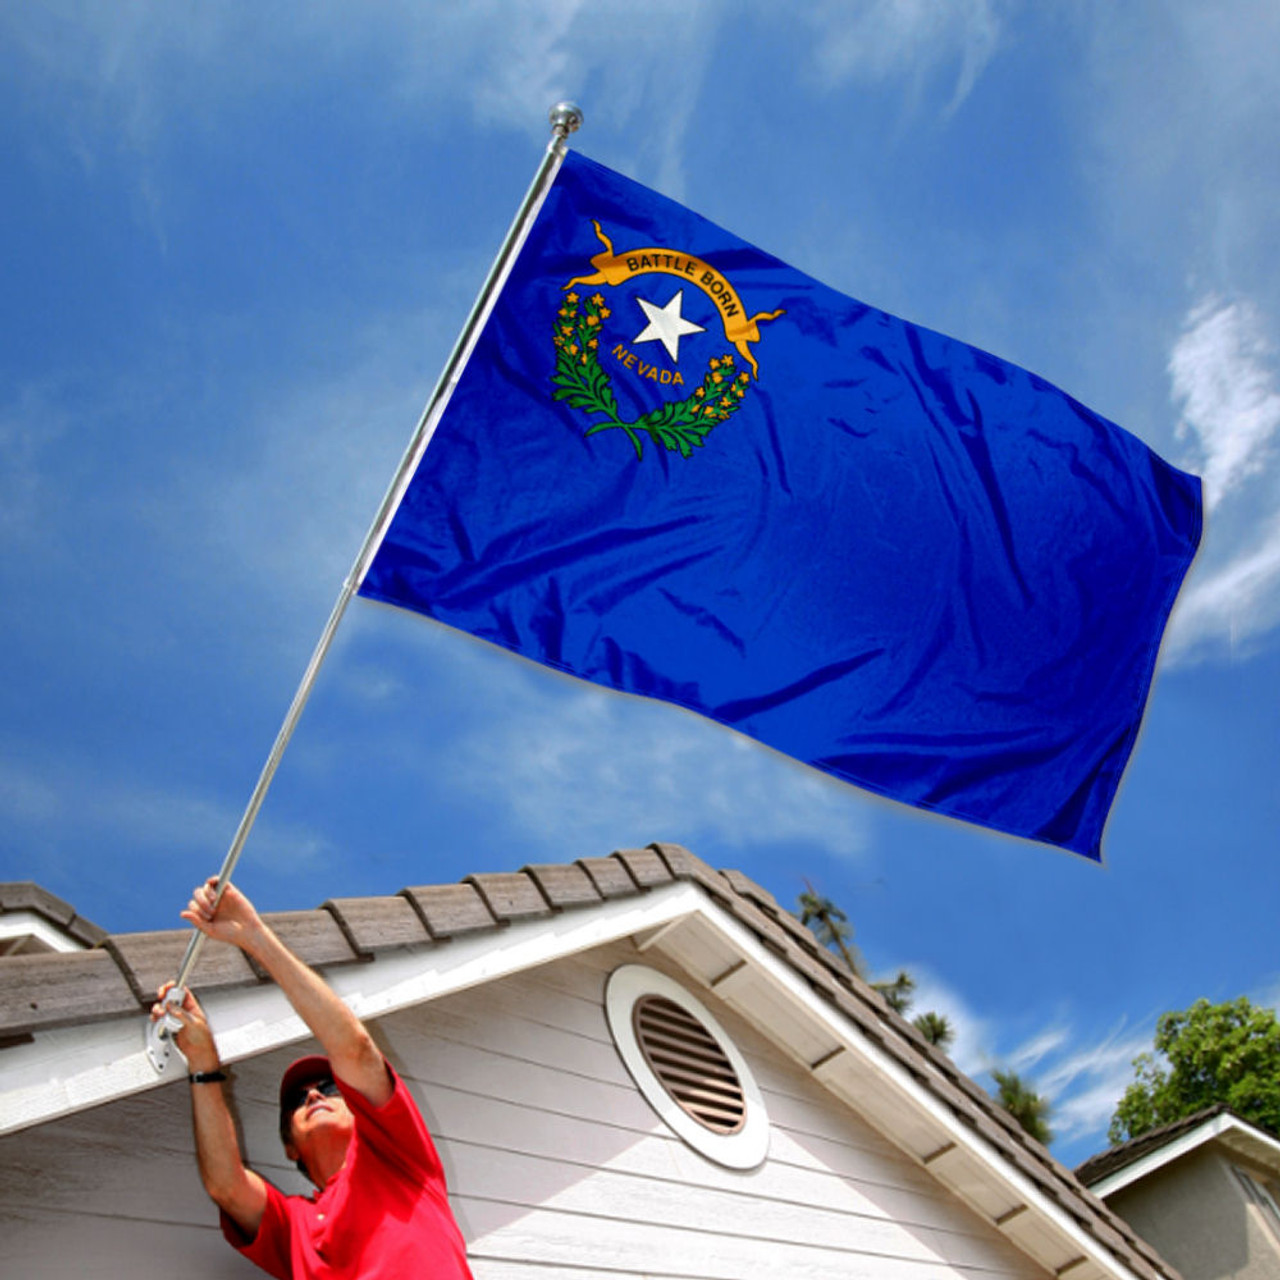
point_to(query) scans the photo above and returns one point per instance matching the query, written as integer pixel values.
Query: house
(1204, 1190)
(548, 1022)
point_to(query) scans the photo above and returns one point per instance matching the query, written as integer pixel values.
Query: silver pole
(565, 118)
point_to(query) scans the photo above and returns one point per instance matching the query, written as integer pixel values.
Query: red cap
(313, 1067)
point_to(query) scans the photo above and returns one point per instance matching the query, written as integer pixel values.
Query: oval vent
(686, 1066)
(690, 1064)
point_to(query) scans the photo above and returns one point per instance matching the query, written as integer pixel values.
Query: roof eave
(1226, 1128)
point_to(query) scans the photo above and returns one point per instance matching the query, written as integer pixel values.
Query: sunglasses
(299, 1093)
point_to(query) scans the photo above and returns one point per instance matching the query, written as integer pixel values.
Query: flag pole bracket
(160, 1033)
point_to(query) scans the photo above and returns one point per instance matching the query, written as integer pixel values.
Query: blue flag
(678, 467)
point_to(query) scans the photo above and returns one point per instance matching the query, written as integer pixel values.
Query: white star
(666, 325)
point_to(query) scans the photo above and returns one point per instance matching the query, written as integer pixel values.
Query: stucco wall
(1195, 1212)
(557, 1164)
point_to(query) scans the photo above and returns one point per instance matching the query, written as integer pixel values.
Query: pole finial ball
(566, 118)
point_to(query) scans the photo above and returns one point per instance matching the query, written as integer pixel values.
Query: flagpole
(565, 118)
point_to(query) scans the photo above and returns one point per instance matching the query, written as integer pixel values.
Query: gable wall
(1196, 1214)
(557, 1164)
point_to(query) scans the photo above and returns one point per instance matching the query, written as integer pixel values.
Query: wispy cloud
(1041, 1046)
(1224, 379)
(600, 770)
(1088, 1082)
(1083, 1082)
(131, 78)
(888, 38)
(77, 807)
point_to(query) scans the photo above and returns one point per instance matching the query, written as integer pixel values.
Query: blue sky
(239, 243)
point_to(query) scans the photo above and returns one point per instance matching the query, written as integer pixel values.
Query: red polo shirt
(383, 1216)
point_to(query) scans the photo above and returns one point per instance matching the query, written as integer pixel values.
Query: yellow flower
(716, 378)
(573, 348)
(592, 321)
(571, 297)
(715, 364)
(701, 391)
(598, 300)
(605, 312)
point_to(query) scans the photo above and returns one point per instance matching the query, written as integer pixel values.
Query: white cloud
(1031, 1053)
(887, 38)
(972, 1050)
(595, 769)
(1082, 1084)
(1233, 602)
(1086, 1085)
(1223, 374)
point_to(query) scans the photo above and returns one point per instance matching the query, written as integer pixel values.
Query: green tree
(830, 925)
(1029, 1108)
(898, 991)
(1211, 1053)
(832, 928)
(936, 1029)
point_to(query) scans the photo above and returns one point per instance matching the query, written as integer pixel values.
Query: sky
(239, 243)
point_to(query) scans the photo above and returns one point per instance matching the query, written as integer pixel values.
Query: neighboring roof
(721, 925)
(52, 920)
(1110, 1170)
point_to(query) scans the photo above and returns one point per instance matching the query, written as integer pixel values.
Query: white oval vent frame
(748, 1145)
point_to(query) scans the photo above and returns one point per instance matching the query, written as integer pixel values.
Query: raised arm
(235, 1189)
(355, 1059)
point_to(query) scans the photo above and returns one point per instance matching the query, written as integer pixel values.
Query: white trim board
(71, 1068)
(17, 924)
(1220, 1126)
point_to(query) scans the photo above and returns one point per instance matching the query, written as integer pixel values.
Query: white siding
(558, 1166)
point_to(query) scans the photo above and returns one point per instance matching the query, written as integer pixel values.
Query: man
(380, 1209)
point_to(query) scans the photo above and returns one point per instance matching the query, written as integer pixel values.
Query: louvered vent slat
(690, 1064)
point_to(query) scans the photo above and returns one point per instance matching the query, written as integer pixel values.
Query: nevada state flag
(677, 467)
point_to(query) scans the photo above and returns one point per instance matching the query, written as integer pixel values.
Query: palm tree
(832, 928)
(830, 925)
(936, 1029)
(1024, 1104)
(898, 991)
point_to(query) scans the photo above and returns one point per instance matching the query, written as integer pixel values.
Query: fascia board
(71, 1068)
(916, 1094)
(1215, 1127)
(14, 924)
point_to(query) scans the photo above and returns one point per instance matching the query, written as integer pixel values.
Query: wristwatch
(207, 1077)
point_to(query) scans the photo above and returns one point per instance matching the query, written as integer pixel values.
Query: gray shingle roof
(25, 895)
(119, 977)
(1105, 1163)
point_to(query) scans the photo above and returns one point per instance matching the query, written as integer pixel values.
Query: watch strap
(207, 1077)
